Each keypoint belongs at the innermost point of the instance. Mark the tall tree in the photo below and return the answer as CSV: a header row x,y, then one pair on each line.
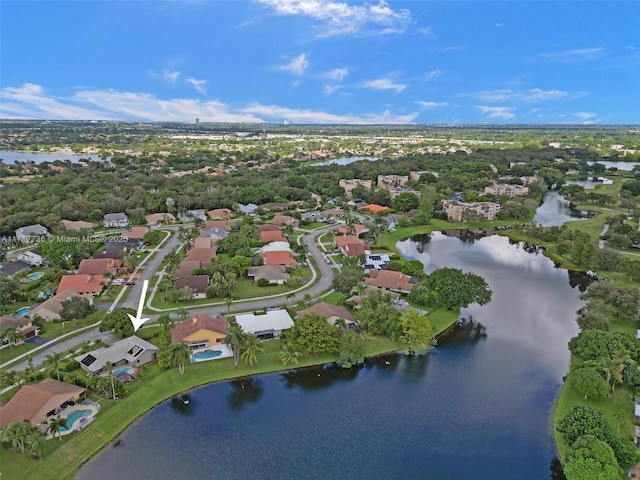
x,y
107,369
251,347
178,354
417,335
234,340
53,361
56,425
18,435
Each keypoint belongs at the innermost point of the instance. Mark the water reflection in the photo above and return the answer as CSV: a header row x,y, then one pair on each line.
x,y
591,182
555,210
465,331
244,391
182,405
318,377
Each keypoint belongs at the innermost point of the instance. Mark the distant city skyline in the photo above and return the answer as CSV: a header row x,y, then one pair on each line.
x,y
322,61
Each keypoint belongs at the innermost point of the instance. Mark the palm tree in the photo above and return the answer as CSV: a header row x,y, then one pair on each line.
x,y
289,353
30,370
251,347
108,369
56,424
108,277
12,335
234,340
19,435
183,313
166,322
53,361
177,353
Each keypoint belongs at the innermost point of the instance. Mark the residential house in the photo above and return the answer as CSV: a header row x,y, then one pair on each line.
x,y
220,214
374,208
268,228
350,184
274,206
203,242
32,233
392,181
32,257
77,225
160,219
415,176
22,325
283,220
50,309
222,224
196,283
390,280
272,236
9,269
276,247
267,325
98,266
202,255
332,313
356,300
314,216
274,274
187,267
249,209
129,244
136,232
376,261
87,286
36,403
356,229
460,211
350,245
200,331
333,213
111,252
191,215
391,221
115,220
279,258
214,233
132,352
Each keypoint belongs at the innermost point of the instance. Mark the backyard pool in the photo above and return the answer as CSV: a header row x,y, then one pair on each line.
x,y
22,312
34,276
206,355
120,371
73,417
45,294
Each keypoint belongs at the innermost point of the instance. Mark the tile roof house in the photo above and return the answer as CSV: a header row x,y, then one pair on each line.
x,y
357,229
272,236
268,228
86,285
214,233
50,309
160,218
356,300
98,266
269,206
132,351
284,220
191,215
200,331
111,252
202,255
22,325
77,225
220,214
374,208
217,223
197,283
115,220
36,403
267,325
391,280
136,232
332,313
274,274
203,242
281,257
354,249
187,267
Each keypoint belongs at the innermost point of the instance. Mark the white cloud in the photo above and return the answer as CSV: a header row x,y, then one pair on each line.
x,y
274,112
432,74
30,101
297,66
424,104
521,96
586,117
337,74
575,55
384,84
342,18
169,76
497,113
199,85
329,89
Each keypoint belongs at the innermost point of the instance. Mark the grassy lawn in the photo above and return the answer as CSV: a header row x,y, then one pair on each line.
x,y
77,448
9,353
442,318
335,298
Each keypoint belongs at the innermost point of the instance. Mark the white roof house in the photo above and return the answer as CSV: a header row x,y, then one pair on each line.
x,y
267,325
132,351
276,247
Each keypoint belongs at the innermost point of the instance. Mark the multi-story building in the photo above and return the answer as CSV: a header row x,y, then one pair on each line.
x,y
350,184
458,211
506,189
392,181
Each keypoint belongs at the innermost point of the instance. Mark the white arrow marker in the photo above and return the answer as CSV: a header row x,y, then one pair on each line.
x,y
138,320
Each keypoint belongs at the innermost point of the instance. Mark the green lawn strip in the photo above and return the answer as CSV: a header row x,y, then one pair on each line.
x,y
442,318
335,298
9,353
114,417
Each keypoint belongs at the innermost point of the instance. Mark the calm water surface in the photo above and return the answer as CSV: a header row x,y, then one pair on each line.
x,y
477,407
9,157
344,161
554,211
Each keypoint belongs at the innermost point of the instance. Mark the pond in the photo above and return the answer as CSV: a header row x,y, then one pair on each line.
x,y
590,183
477,407
555,210
344,161
625,166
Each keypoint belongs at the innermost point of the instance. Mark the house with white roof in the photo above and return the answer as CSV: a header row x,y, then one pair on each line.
x,y
31,233
267,325
131,351
276,247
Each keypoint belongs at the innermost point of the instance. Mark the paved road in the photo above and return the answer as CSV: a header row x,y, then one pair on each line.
x,y
322,284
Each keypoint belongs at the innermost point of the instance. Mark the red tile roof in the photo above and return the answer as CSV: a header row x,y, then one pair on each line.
x,y
342,240
373,208
389,279
279,258
202,255
82,283
98,266
136,232
283,220
272,236
216,223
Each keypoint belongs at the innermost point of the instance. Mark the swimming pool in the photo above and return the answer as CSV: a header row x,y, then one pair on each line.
x,y
45,294
22,312
35,276
120,371
206,355
73,417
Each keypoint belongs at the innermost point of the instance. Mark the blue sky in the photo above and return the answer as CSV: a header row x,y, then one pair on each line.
x,y
322,61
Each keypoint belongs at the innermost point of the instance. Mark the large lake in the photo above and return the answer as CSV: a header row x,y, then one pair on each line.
x,y
9,156
478,407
